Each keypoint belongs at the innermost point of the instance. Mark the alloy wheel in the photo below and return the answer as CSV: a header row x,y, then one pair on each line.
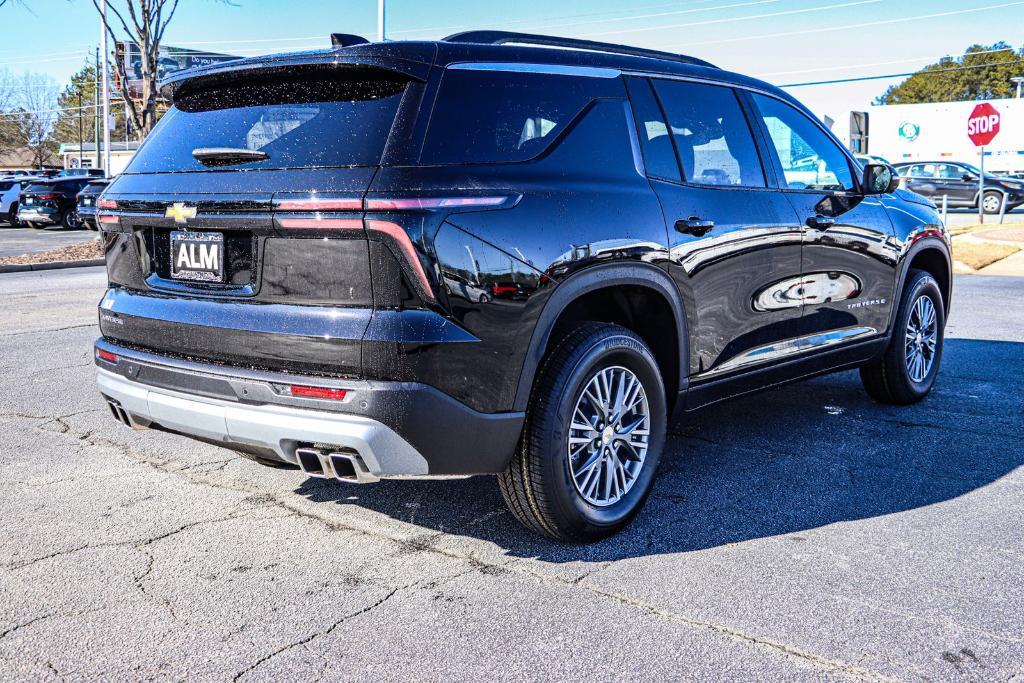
x,y
921,338
608,436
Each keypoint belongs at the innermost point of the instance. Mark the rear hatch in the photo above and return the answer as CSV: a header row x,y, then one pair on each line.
x,y
236,232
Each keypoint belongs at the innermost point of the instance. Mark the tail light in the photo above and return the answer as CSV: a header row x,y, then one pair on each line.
x,y
106,204
50,195
419,203
106,355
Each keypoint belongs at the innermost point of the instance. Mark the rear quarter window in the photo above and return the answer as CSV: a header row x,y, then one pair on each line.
x,y
483,116
344,120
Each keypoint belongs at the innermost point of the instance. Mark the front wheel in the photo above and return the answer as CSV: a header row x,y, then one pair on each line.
x,y
992,202
906,371
593,437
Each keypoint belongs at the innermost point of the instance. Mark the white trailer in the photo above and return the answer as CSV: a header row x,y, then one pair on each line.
x,y
936,131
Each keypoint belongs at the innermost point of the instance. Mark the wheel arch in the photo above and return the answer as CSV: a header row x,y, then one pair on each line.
x,y
621,287
930,254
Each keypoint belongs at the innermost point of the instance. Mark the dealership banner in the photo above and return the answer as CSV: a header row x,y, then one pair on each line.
x,y
172,59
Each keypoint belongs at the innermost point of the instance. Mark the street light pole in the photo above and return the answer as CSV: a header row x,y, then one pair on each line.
x,y
80,131
96,114
381,34
106,92
1019,80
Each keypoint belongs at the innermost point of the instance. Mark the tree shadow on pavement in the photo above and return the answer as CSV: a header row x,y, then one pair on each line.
x,y
779,462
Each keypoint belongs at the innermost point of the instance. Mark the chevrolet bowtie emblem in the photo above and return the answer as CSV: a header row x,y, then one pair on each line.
x,y
179,212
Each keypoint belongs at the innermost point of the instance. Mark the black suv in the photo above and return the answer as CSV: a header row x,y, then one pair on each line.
x,y
436,259
959,183
51,202
87,198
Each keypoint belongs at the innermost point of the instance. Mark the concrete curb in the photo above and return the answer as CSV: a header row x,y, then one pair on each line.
x,y
52,265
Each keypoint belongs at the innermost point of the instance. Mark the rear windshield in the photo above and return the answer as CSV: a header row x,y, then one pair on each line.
x,y
67,186
481,118
339,121
94,188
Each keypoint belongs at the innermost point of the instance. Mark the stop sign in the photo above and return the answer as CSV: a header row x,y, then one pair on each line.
x,y
983,124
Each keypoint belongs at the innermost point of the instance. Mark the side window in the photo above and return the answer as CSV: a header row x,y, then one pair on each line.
x,y
710,134
659,157
949,172
480,118
809,158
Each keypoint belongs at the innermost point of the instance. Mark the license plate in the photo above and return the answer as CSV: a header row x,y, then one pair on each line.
x,y
197,256
28,200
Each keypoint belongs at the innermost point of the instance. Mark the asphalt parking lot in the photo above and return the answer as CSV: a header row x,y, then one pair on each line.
x,y
803,533
18,241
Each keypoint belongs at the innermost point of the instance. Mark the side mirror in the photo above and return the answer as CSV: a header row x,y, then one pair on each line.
x,y
879,179
967,177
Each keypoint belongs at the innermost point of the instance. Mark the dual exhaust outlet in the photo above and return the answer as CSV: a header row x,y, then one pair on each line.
x,y
343,465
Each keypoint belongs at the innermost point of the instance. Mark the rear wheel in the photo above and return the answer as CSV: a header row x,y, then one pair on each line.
x,y
70,220
992,202
593,437
906,371
12,216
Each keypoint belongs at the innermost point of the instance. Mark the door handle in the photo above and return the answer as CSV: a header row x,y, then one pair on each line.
x,y
694,226
821,222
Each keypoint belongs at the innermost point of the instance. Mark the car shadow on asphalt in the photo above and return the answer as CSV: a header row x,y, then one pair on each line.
x,y
772,464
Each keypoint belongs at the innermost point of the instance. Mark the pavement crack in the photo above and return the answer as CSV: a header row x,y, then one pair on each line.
x,y
317,634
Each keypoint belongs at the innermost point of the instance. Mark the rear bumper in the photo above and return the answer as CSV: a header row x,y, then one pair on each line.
x,y
35,215
388,429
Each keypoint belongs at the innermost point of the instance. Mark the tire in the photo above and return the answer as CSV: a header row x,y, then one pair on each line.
x,y
894,378
12,216
539,486
70,220
992,202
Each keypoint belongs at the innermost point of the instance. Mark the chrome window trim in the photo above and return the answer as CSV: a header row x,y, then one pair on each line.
x,y
554,69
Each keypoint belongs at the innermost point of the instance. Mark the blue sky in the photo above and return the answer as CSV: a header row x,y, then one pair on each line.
x,y
782,41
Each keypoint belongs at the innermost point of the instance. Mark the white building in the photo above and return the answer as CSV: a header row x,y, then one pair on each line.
x,y
120,154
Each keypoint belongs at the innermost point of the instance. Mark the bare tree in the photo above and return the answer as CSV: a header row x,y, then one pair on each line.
x,y
143,22
27,115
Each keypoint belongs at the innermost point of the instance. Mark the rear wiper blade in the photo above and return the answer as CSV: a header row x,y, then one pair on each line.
x,y
212,156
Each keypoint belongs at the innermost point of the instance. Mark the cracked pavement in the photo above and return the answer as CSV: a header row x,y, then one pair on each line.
x,y
804,533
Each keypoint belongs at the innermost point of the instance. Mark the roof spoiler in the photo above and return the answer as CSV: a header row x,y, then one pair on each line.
x,y
346,39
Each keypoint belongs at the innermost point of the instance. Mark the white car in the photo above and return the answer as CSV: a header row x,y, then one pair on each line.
x,y
10,191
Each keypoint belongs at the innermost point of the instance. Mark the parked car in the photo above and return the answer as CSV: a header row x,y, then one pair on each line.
x,y
51,202
12,186
281,256
86,201
959,182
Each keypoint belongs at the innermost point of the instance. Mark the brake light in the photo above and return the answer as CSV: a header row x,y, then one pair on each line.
x,y
313,204
106,204
106,355
401,237
318,392
322,223
413,203
51,195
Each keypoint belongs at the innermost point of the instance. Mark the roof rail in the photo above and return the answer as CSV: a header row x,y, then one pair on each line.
x,y
504,37
346,39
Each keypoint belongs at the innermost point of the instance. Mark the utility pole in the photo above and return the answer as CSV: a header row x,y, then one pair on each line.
x,y
96,113
106,91
381,34
80,129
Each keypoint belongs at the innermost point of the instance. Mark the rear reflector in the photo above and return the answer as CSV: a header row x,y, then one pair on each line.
x,y
322,223
107,218
320,205
106,204
413,203
318,392
106,355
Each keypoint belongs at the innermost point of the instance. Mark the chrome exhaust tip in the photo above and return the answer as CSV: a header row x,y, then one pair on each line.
x,y
347,466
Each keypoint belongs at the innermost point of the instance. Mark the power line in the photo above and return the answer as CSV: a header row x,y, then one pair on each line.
x,y
894,61
866,24
709,22
900,75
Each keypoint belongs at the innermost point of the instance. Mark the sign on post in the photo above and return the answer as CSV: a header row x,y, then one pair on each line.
x,y
982,128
